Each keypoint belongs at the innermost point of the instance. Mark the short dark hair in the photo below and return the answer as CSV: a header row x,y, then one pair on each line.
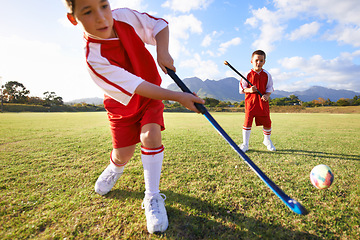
x,y
70,4
259,52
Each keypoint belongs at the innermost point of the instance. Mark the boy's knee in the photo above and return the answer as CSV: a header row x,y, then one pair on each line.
x,y
151,136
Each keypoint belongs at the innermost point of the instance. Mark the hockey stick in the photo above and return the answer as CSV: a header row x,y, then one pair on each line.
x,y
228,64
291,203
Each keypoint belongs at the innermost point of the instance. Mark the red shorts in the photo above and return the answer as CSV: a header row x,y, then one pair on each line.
x,y
259,120
127,133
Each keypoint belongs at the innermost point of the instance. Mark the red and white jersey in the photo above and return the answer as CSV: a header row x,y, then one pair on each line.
x,y
120,64
264,83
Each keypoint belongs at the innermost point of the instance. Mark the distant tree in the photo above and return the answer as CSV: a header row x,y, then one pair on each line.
x,y
211,102
174,105
294,100
236,104
308,104
356,100
319,102
35,101
166,102
293,97
51,99
291,100
15,92
222,104
343,102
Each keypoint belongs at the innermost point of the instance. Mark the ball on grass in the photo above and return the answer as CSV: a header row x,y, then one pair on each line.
x,y
321,176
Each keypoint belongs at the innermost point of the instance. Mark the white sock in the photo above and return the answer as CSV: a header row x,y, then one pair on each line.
x,y
267,134
246,135
152,160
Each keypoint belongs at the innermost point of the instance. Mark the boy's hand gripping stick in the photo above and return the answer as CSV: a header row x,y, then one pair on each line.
x,y
228,64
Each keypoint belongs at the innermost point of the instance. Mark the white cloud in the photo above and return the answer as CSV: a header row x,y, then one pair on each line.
x,y
180,29
270,25
206,41
203,69
305,31
345,34
224,46
209,38
210,53
344,15
132,4
355,54
338,73
186,5
281,76
183,25
293,62
344,12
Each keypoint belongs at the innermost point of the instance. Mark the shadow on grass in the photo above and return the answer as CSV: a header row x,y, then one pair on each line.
x,y
347,157
204,220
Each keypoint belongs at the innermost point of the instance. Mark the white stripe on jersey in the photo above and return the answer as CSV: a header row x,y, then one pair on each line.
x,y
115,81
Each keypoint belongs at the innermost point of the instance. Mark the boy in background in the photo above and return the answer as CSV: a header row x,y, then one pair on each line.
x,y
122,67
256,106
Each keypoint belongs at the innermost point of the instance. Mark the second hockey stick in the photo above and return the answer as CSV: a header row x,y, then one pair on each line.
x,y
228,64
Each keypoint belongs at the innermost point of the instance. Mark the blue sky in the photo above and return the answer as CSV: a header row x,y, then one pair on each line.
x,y
307,42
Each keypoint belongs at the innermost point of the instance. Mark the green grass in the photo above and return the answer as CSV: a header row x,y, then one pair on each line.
x,y
49,163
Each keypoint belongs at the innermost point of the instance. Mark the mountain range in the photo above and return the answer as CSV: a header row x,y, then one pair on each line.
x,y
227,89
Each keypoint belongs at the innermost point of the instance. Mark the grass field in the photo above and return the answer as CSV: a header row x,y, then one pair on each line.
x,y
49,163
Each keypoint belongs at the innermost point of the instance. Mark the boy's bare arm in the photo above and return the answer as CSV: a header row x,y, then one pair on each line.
x,y
153,91
164,58
251,89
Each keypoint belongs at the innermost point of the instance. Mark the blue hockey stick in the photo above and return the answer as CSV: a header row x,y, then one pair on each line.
x,y
291,203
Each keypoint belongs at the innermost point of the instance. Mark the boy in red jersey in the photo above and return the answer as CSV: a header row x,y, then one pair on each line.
x,y
122,67
255,106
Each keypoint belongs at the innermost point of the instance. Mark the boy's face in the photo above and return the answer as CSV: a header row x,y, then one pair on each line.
x,y
95,16
258,62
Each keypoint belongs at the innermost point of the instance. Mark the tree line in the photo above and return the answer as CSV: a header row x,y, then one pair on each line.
x,y
15,92
284,101
294,100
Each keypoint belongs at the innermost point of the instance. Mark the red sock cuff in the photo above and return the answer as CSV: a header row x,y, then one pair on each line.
x,y
152,151
267,132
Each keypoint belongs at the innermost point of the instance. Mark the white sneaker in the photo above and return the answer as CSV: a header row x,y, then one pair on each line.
x,y
155,212
106,180
244,147
269,145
